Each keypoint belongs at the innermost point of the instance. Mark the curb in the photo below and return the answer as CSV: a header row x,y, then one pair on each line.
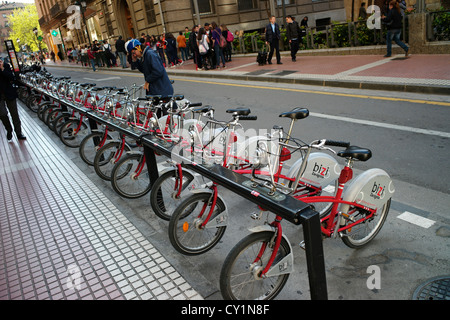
x,y
407,88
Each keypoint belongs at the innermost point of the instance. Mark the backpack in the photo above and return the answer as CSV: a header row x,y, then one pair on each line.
x,y
222,42
230,37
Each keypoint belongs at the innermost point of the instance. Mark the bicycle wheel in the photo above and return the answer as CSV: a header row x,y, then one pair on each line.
x,y
89,146
361,234
186,232
59,121
42,107
73,132
46,112
130,178
106,158
163,197
240,275
32,102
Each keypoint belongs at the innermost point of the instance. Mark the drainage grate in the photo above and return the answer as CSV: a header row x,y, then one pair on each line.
x,y
434,289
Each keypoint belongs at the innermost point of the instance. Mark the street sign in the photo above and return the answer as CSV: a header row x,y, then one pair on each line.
x,y
12,55
56,36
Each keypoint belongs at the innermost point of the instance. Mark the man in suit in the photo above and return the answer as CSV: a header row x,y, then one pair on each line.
x,y
273,37
8,96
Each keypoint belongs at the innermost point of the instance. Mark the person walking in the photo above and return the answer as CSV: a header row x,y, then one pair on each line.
x,y
393,21
273,36
8,101
150,64
91,57
293,34
120,48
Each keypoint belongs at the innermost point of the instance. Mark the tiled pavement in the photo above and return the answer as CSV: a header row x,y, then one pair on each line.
x,y
60,236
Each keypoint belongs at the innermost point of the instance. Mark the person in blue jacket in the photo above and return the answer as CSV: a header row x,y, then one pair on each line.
x,y
150,64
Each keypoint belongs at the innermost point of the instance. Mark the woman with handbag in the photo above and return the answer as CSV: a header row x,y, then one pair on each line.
x,y
219,42
393,21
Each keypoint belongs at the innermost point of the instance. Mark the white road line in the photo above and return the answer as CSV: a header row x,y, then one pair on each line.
x,y
415,219
362,68
383,125
104,79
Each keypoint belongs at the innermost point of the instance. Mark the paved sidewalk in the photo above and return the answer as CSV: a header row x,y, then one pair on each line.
x,y
418,73
62,238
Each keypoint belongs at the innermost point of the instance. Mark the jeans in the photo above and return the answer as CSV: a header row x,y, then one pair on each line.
x,y
219,54
394,34
92,63
184,53
123,59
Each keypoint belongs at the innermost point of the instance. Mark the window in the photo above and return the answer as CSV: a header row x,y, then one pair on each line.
x,y
150,11
247,4
108,21
286,2
204,6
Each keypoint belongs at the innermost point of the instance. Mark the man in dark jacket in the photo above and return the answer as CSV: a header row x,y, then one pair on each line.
x,y
293,35
150,64
8,96
120,48
273,37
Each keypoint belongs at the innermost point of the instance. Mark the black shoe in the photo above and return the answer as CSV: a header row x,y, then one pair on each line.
x,y
9,135
21,137
269,62
280,62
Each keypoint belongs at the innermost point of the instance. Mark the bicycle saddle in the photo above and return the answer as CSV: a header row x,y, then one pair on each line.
x,y
240,111
295,114
356,153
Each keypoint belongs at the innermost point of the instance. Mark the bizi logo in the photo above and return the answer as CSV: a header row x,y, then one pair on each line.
x,y
320,171
377,191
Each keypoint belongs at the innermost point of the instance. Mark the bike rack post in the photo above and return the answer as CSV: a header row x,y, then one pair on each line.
x,y
315,259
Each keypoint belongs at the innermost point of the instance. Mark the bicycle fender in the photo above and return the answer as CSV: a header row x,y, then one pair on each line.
x,y
372,188
220,220
285,265
321,170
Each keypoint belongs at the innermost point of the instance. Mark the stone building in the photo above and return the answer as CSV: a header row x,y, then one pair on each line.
x,y
107,19
6,8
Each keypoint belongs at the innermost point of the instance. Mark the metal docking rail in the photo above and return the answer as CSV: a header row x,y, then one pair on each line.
x,y
287,207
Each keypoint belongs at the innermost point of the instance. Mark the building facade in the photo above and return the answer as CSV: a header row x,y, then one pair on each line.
x,y
7,8
107,19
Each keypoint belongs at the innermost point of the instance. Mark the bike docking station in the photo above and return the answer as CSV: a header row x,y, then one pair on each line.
x,y
289,208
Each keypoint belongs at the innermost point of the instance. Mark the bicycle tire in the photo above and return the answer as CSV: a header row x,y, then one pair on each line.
x,y
45,113
125,182
59,122
41,108
104,160
32,102
56,112
185,236
88,148
69,136
162,200
237,279
348,236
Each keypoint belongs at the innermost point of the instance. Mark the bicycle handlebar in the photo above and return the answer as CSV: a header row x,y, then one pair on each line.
x,y
337,143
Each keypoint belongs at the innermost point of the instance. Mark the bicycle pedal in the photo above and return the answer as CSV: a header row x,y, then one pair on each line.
x,y
302,245
256,215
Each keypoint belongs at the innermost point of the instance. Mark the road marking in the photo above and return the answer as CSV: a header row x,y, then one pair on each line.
x,y
360,96
416,219
104,79
362,68
348,95
383,125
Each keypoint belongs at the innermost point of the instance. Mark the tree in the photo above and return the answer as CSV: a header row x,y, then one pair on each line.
x,y
22,22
